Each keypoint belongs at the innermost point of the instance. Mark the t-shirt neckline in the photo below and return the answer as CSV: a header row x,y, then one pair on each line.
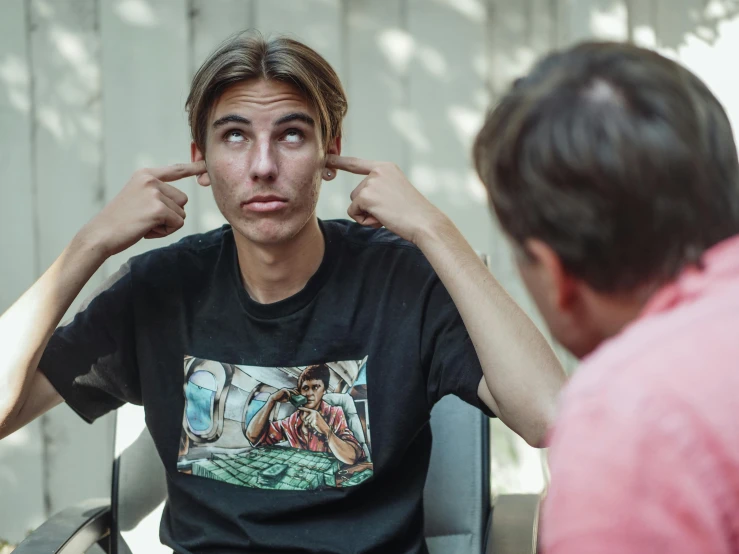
x,y
297,301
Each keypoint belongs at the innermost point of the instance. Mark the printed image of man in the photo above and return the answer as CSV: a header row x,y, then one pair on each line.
x,y
316,426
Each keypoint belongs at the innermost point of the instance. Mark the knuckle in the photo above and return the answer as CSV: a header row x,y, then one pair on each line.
x,y
161,211
149,180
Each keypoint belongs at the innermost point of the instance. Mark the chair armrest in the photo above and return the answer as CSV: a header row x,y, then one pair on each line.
x,y
72,531
514,524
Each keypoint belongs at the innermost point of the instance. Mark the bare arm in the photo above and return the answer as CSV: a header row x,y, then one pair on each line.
x,y
522,376
26,327
146,207
344,451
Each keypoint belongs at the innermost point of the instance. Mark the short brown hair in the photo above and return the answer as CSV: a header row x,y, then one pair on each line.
x,y
319,372
619,159
247,55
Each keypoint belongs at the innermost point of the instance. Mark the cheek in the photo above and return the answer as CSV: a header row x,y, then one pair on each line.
x,y
301,169
227,170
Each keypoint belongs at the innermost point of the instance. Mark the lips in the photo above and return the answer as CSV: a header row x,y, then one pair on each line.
x,y
265,203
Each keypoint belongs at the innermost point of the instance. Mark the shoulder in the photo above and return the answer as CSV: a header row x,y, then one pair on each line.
x,y
189,256
378,249
621,465
359,235
661,362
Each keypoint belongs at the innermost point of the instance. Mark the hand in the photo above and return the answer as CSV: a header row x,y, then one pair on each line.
x,y
283,395
315,420
147,207
386,197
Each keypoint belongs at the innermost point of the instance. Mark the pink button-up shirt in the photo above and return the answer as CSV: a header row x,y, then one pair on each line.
x,y
645,453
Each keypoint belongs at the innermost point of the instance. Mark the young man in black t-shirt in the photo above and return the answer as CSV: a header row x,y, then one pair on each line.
x,y
212,334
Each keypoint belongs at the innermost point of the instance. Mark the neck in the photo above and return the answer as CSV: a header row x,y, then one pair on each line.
x,y
273,272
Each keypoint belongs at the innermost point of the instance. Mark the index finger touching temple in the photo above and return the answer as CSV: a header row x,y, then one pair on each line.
x,y
352,165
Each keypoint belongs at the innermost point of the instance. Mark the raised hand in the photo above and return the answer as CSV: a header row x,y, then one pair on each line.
x,y
385,197
147,207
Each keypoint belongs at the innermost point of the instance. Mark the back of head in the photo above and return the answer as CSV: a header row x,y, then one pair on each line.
x,y
247,56
619,159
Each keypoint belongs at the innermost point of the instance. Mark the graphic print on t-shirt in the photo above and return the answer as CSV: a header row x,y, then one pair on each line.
x,y
279,428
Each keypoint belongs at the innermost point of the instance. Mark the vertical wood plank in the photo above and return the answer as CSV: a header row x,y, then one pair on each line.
x,y
65,50
16,208
213,22
542,24
319,24
145,76
593,19
21,469
447,99
675,21
378,51
519,34
703,35
510,30
642,21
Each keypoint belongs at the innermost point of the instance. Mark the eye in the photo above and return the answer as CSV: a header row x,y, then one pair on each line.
x,y
293,135
234,136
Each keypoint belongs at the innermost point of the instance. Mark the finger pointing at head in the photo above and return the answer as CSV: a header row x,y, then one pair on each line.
x,y
352,165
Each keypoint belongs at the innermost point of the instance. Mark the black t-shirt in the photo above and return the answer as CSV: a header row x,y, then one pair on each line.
x,y
300,426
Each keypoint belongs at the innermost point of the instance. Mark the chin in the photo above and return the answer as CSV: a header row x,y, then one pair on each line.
x,y
268,231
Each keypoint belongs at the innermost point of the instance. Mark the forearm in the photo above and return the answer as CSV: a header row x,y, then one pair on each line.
x,y
520,369
344,451
259,422
27,326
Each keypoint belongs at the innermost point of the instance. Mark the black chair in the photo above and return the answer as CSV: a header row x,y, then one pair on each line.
x,y
457,500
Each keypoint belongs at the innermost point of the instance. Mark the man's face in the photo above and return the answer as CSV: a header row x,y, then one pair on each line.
x,y
313,391
265,160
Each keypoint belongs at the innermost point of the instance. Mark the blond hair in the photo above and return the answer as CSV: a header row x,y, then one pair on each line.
x,y
247,55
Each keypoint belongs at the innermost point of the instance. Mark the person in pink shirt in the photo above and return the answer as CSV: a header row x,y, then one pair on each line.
x,y
614,172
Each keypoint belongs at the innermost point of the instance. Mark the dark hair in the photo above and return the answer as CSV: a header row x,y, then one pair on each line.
x,y
619,159
315,372
247,55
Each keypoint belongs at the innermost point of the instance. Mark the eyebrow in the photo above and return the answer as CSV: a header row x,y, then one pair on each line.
x,y
296,116
231,118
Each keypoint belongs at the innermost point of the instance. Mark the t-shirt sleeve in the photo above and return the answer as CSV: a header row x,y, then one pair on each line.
x,y
91,361
448,352
647,482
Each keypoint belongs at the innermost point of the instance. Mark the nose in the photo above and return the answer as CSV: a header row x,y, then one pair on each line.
x,y
263,163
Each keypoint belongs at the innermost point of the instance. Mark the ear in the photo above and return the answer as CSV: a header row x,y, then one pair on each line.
x,y
561,287
333,148
195,156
